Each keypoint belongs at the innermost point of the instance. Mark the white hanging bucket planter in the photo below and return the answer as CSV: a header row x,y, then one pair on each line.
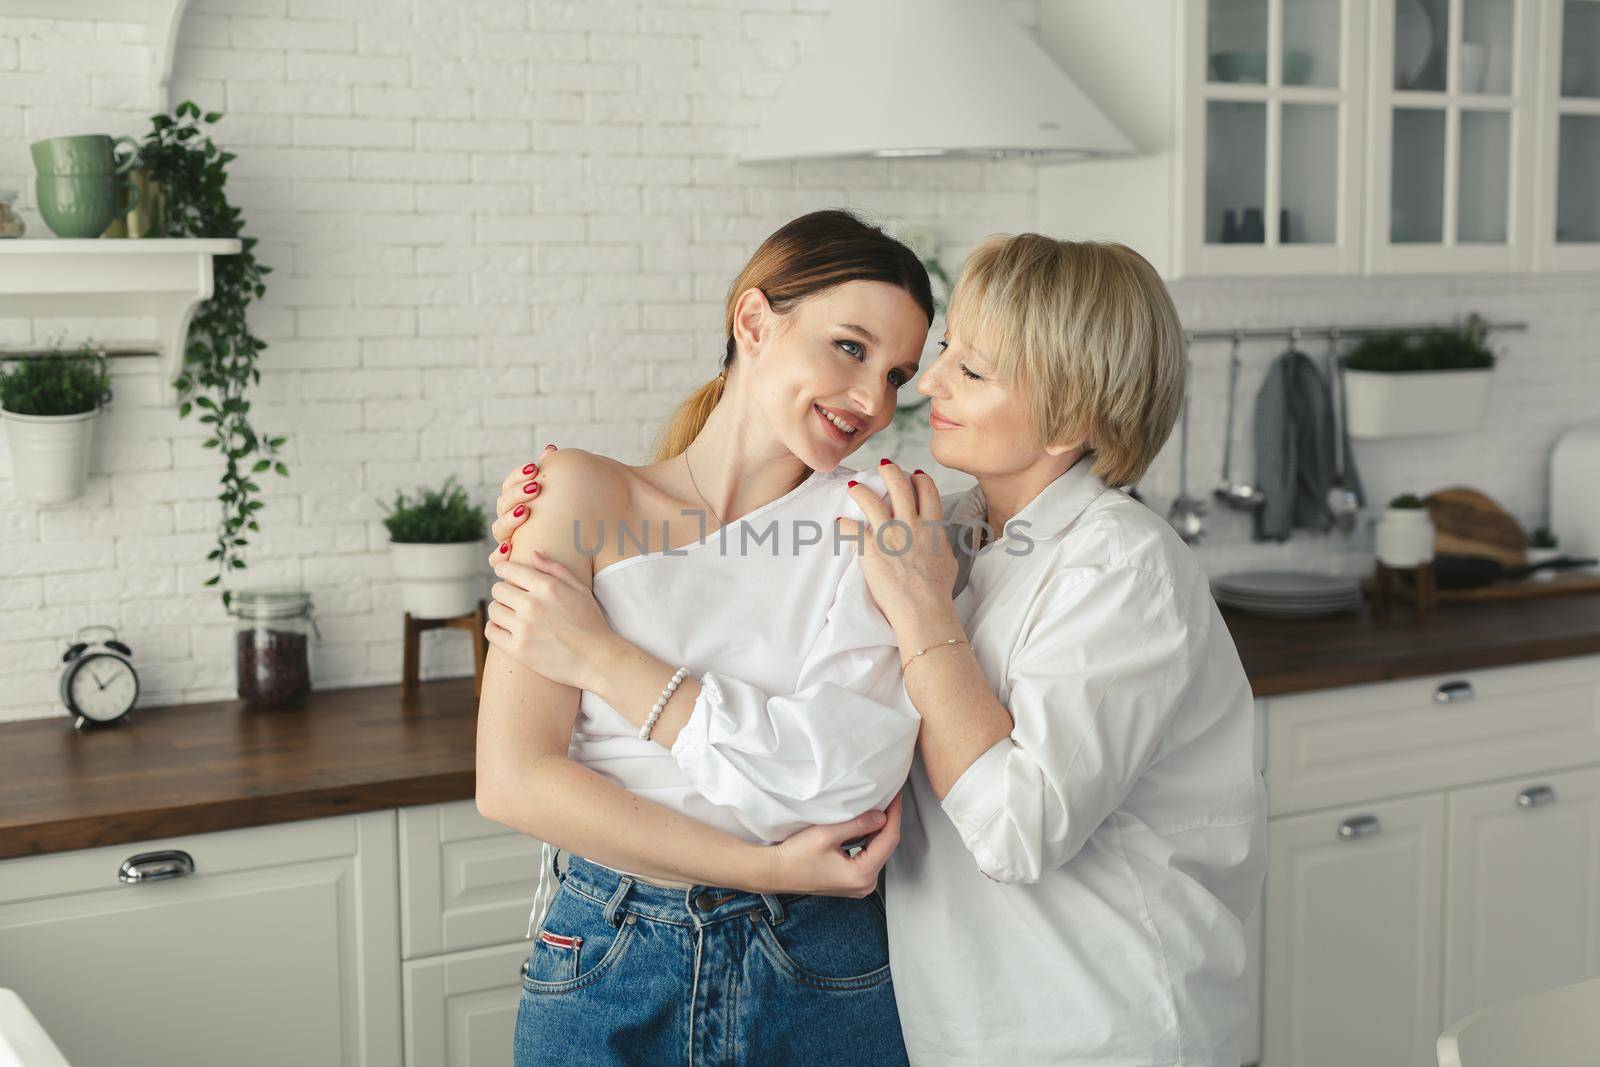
x,y
50,454
440,581
1413,403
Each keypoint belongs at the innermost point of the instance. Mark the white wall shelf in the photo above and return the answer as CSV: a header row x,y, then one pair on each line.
x,y
164,279
163,17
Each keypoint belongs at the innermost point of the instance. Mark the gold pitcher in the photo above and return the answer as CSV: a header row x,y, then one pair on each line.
x,y
149,211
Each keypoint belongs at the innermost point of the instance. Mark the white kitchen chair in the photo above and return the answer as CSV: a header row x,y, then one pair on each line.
x,y
1556,1028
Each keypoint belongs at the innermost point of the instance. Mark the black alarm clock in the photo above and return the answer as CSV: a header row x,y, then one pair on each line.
x,y
98,683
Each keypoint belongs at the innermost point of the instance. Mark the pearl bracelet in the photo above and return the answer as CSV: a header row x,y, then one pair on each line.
x,y
930,648
661,703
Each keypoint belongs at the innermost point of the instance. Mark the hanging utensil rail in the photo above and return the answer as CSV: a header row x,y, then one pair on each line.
x,y
1296,333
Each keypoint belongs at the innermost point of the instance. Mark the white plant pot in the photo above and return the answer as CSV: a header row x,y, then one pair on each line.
x,y
1413,403
50,454
1404,537
440,581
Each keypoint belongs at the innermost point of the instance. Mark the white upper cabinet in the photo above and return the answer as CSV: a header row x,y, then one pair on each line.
x,y
1449,155
1273,96
1310,137
1567,219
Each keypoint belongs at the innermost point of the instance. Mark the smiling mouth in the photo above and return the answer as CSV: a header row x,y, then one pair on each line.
x,y
842,428
937,420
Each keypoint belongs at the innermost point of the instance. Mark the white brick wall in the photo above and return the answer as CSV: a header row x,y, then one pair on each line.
x,y
496,223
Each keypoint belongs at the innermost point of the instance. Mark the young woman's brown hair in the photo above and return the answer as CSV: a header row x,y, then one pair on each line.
x,y
813,253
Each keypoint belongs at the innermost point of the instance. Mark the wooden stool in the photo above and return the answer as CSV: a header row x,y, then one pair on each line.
x,y
474,623
1413,585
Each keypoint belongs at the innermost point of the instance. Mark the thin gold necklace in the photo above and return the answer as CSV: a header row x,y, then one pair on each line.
x,y
688,467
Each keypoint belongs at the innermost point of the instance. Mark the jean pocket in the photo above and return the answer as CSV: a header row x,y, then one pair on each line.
x,y
574,947
829,943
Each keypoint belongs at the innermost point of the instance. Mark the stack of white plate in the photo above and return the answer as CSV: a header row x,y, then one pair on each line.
x,y
1287,594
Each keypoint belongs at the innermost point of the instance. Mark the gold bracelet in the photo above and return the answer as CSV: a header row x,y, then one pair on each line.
x,y
920,651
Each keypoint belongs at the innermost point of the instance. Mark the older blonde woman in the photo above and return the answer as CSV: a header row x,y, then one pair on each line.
x,y
1083,827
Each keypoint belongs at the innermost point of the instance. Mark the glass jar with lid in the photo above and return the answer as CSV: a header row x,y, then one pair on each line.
x,y
273,629
10,222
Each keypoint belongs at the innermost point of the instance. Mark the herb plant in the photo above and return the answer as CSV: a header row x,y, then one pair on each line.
x,y
1459,347
221,353
1407,501
437,517
56,384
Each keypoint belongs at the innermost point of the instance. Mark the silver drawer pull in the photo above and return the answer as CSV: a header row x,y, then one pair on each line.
x,y
1536,796
1359,826
156,866
1451,692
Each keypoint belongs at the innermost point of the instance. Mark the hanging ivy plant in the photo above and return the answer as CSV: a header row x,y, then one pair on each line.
x,y
221,353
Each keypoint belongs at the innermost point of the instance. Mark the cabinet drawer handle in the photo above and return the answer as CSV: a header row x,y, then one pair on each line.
x,y
156,866
1536,796
1451,692
1359,826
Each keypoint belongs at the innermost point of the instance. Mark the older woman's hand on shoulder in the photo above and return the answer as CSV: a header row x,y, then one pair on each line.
x,y
908,562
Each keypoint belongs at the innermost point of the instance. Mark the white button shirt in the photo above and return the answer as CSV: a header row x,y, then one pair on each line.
x,y
1079,895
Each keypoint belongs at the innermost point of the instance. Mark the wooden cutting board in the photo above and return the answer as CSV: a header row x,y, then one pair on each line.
x,y
1468,523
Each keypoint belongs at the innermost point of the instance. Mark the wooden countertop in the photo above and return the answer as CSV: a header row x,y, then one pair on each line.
x,y
196,768
1298,656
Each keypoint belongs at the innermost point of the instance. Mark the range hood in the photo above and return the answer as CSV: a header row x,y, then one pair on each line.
x,y
888,78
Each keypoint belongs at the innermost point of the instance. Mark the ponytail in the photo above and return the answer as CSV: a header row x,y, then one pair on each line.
x,y
689,419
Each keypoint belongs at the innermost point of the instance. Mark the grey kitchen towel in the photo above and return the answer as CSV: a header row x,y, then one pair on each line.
x,y
1295,442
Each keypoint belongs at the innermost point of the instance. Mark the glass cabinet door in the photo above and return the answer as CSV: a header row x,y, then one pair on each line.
x,y
1275,104
1569,223
1451,112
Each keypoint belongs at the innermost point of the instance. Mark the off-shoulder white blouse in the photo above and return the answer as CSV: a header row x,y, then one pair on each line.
x,y
801,718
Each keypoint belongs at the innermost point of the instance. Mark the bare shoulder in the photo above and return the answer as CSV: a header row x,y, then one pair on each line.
x,y
577,491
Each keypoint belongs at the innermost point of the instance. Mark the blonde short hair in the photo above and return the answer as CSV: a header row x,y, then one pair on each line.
x,y
1088,334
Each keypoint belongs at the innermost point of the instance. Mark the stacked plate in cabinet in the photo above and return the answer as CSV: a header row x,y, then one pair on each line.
x,y
1287,594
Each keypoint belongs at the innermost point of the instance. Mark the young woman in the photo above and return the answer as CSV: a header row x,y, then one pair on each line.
x,y
785,709
1084,824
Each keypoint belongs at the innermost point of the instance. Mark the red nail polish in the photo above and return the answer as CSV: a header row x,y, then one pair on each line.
x,y
519,511
530,468
535,490
917,471
851,483
530,487
505,546
882,462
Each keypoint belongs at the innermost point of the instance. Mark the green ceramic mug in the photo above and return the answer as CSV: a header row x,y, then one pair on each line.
x,y
83,205
84,154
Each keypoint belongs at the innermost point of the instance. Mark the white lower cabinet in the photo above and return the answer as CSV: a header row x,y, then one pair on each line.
x,y
461,1009
1411,880
272,945
1523,910
466,884
1352,936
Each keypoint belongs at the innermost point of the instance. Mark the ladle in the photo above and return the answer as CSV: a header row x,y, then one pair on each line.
x,y
1237,495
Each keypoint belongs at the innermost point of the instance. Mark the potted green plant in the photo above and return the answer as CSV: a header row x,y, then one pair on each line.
x,y
1405,533
50,403
1400,385
437,544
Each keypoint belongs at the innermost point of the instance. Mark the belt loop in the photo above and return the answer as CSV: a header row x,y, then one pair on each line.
x,y
774,908
616,901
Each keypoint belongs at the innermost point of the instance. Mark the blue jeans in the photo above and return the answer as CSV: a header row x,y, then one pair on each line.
x,y
625,972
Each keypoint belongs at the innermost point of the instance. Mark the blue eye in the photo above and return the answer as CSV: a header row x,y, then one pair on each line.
x,y
854,349
897,379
